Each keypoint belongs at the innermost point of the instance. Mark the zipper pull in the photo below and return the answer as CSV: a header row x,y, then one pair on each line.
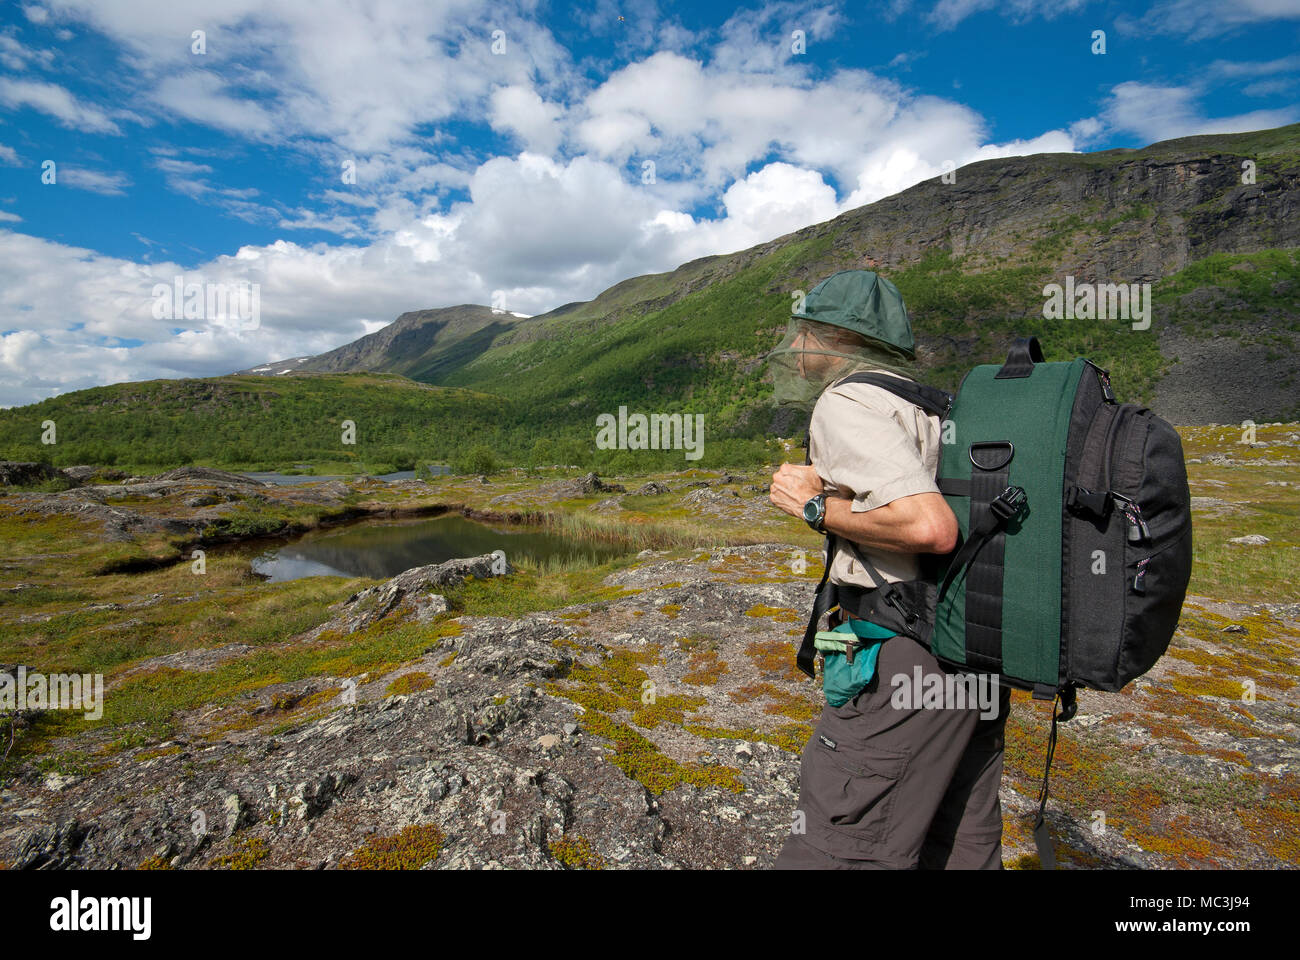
x,y
1137,529
1107,393
1103,377
1139,581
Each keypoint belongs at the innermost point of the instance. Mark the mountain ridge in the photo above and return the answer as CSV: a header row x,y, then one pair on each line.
x,y
1138,215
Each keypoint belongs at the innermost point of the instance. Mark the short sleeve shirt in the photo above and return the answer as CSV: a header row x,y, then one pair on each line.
x,y
870,445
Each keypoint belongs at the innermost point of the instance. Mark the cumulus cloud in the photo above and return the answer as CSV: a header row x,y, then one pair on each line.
x,y
742,128
1155,112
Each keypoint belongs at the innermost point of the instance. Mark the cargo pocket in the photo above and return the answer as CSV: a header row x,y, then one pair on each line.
x,y
855,786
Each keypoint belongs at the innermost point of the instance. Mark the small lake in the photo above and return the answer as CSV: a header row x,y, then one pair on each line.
x,y
282,479
384,549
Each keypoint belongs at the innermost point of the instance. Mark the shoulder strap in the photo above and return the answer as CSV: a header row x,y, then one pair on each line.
x,y
930,399
902,607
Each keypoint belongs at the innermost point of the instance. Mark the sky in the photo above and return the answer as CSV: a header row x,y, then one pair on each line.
x,y
339,162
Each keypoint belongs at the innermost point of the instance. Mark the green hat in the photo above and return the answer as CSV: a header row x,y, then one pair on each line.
x,y
865,303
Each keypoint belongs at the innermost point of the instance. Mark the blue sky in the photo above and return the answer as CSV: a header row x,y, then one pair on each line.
x,y
518,175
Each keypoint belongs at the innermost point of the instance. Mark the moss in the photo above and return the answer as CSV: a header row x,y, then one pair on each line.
x,y
410,683
409,849
1276,830
448,660
671,610
790,737
1026,861
248,853
780,614
641,760
779,701
1203,686
159,752
576,853
704,668
155,863
696,640
774,659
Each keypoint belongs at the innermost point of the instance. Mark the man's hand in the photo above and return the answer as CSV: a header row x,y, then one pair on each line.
x,y
794,486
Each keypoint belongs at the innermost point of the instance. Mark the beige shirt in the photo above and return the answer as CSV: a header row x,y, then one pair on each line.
x,y
870,445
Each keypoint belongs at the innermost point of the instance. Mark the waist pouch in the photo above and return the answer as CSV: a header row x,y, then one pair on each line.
x,y
849,655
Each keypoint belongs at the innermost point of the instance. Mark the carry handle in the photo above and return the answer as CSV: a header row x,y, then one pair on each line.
x,y
1024,353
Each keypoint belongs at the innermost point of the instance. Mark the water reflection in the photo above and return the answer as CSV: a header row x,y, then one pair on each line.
x,y
280,479
381,550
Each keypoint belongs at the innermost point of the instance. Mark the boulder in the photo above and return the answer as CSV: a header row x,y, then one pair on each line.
x,y
15,473
414,587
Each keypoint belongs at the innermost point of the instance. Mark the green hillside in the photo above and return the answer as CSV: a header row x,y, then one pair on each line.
x,y
971,259
249,422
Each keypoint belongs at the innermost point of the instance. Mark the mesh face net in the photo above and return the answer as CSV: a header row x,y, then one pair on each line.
x,y
813,355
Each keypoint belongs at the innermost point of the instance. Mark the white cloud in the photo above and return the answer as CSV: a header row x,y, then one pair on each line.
x,y
8,155
948,13
55,101
745,127
1200,19
1166,112
522,111
94,181
1256,68
7,217
199,96
17,56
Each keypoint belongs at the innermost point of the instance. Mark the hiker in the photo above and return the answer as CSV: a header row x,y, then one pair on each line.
x,y
885,782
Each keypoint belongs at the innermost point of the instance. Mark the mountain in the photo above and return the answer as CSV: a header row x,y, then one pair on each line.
x,y
420,344
971,257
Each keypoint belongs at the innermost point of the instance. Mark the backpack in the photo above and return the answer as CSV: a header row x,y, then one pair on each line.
x,y
1075,550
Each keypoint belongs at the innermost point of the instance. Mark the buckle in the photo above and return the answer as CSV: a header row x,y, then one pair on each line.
x,y
894,597
1081,499
1008,503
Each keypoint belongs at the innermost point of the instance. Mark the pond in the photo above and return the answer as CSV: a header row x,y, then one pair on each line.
x,y
382,549
293,478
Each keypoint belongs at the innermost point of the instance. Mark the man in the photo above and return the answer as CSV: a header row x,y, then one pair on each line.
x,y
883,783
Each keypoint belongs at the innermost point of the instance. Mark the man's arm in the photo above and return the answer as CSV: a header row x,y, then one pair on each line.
x,y
921,523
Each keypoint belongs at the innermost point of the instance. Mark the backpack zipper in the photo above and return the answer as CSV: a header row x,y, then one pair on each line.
x,y
1138,531
1139,580
1108,451
1137,526
1103,376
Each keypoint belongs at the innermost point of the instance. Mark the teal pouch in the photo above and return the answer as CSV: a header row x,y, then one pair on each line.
x,y
842,678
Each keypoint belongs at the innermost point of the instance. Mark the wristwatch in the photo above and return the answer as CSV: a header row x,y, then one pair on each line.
x,y
814,511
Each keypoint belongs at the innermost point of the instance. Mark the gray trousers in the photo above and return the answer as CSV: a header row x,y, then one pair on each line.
x,y
884,786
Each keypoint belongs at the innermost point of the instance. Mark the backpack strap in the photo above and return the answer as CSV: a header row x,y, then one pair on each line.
x,y
1042,835
823,603
930,399
901,607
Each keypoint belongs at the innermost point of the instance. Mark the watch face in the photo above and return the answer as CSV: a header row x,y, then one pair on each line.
x,y
810,511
